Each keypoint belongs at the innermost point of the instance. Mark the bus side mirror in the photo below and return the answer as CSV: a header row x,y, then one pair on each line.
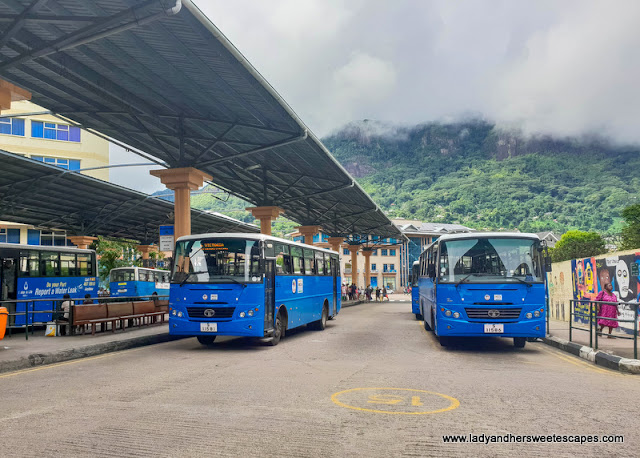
x,y
431,270
547,264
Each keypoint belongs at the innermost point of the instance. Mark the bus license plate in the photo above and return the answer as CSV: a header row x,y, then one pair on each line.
x,y
208,327
493,328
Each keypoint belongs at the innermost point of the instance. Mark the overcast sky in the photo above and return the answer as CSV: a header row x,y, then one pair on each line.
x,y
561,67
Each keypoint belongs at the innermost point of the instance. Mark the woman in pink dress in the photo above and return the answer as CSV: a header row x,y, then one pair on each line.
x,y
607,310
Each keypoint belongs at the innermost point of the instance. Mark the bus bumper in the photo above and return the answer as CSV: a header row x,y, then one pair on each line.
x,y
535,327
244,327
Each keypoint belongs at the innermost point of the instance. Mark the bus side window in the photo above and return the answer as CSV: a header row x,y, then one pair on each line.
x,y
142,276
84,265
29,264
49,264
283,260
309,262
320,262
68,264
298,260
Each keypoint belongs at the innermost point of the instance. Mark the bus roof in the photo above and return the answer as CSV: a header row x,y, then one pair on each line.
x,y
476,235
250,236
65,249
139,268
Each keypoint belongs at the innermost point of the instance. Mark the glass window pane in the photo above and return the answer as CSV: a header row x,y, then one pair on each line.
x,y
49,264
74,135
50,134
37,129
63,135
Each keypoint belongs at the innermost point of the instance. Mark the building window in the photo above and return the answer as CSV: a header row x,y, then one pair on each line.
x,y
53,131
53,238
68,164
375,252
374,267
392,267
345,251
12,126
383,252
385,267
392,252
9,235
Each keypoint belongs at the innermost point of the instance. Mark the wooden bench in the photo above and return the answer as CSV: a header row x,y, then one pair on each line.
x,y
142,312
90,314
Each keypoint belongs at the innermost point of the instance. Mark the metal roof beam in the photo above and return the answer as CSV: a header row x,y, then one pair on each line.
x,y
49,18
255,150
92,32
326,191
19,21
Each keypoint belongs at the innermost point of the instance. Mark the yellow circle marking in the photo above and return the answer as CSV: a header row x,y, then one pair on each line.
x,y
454,402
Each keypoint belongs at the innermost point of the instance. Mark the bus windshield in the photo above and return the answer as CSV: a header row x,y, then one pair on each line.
x,y
490,260
217,261
120,275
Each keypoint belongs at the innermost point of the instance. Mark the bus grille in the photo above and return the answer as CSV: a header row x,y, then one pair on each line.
x,y
219,312
489,313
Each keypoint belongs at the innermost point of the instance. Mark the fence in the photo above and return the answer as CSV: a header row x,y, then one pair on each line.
x,y
585,312
40,316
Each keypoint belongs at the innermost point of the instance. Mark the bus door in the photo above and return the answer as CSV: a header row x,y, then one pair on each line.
x,y
8,284
336,291
269,293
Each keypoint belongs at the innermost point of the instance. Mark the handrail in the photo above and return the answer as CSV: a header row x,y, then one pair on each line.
x,y
593,317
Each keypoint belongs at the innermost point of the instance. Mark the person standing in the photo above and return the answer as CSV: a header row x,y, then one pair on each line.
x,y
377,293
63,317
608,309
384,293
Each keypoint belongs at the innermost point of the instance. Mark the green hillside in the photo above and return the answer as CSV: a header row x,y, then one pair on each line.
x,y
474,174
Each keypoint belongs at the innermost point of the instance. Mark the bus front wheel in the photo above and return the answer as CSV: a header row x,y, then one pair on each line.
x,y
519,342
206,340
277,332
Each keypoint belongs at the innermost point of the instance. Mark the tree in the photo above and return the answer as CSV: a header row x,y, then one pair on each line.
x,y
578,244
631,231
115,253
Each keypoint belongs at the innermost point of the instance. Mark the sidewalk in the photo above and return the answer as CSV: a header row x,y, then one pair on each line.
x,y
17,353
613,353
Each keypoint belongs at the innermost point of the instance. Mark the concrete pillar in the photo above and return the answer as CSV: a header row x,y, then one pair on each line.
x,y
308,232
353,249
182,181
82,241
10,93
367,252
335,243
146,249
266,215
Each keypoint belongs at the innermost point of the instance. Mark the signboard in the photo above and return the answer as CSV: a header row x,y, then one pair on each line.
x,y
167,240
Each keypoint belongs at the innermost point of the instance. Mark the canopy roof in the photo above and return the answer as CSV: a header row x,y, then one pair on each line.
x,y
47,196
159,76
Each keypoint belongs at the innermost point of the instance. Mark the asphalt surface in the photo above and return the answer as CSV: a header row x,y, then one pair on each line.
x,y
374,383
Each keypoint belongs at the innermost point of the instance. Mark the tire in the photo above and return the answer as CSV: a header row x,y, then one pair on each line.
x,y
519,342
206,340
278,332
321,324
418,316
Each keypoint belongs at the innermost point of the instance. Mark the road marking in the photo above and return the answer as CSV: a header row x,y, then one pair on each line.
x,y
408,402
578,362
65,363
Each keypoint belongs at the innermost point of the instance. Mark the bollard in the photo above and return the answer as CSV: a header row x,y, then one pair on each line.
x,y
4,314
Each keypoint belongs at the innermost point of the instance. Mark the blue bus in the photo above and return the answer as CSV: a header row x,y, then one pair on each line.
x,y
484,284
415,290
138,282
250,285
41,272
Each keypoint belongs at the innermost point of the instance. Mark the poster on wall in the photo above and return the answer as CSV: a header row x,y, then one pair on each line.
x,y
591,274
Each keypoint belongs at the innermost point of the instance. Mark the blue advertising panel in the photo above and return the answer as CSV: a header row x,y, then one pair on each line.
x,y
166,230
48,287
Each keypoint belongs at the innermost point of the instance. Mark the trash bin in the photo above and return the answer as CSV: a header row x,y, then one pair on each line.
x,y
4,314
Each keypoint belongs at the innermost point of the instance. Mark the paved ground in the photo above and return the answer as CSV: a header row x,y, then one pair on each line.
x,y
374,383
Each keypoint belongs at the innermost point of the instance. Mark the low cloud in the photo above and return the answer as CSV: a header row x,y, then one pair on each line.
x,y
565,68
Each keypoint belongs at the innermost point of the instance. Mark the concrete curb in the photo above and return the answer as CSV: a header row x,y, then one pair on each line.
x,y
598,357
351,303
41,359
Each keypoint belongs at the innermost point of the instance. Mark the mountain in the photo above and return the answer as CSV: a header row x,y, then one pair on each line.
x,y
475,174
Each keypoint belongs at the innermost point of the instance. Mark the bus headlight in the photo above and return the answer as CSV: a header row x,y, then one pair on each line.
x,y
456,315
448,313
536,313
242,314
179,314
529,315
173,312
250,313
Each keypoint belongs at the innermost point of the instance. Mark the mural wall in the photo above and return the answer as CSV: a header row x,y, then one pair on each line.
x,y
583,279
